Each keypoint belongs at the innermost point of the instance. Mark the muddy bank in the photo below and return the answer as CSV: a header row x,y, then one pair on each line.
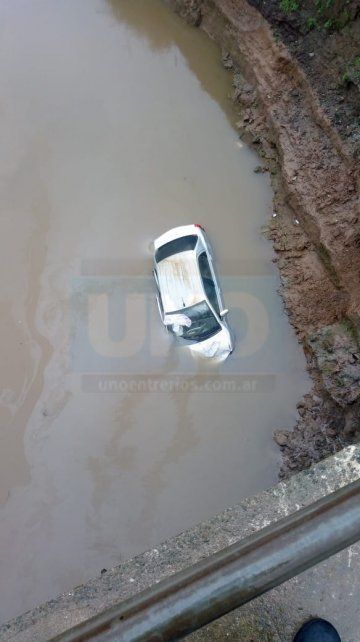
x,y
315,225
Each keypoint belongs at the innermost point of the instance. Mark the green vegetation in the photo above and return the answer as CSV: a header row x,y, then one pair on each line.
x,y
330,17
333,19
325,14
311,23
289,6
322,5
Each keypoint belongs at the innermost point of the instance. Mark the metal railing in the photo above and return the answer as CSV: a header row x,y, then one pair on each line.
x,y
222,582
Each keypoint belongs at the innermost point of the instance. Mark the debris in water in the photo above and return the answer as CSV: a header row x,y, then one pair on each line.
x,y
227,60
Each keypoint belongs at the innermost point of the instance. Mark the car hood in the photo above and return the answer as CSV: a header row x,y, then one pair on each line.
x,y
218,346
180,281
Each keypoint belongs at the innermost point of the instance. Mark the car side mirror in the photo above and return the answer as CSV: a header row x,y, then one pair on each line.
x,y
224,312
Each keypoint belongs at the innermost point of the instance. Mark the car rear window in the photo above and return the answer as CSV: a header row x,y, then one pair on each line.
x,y
182,244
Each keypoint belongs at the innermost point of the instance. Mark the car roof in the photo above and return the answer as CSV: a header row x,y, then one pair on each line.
x,y
180,281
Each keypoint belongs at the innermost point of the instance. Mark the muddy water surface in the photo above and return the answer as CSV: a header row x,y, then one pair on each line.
x,y
116,125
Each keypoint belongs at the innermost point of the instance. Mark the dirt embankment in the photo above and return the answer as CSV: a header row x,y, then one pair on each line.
x,y
316,224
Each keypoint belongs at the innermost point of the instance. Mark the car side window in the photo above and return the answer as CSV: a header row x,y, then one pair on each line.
x,y
208,281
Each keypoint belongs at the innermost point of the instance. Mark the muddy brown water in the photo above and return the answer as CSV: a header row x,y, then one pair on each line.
x,y
115,126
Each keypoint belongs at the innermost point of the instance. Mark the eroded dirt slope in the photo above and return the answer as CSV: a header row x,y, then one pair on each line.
x,y
316,227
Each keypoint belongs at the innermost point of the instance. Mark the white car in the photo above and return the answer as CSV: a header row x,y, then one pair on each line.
x,y
188,295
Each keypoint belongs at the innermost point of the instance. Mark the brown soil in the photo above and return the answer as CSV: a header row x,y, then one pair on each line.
x,y
316,230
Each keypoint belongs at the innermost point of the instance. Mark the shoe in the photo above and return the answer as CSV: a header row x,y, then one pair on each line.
x,y
317,630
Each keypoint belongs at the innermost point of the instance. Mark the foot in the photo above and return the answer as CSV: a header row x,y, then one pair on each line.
x,y
317,630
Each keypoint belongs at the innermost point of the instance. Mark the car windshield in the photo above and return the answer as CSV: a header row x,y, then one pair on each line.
x,y
182,244
203,323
